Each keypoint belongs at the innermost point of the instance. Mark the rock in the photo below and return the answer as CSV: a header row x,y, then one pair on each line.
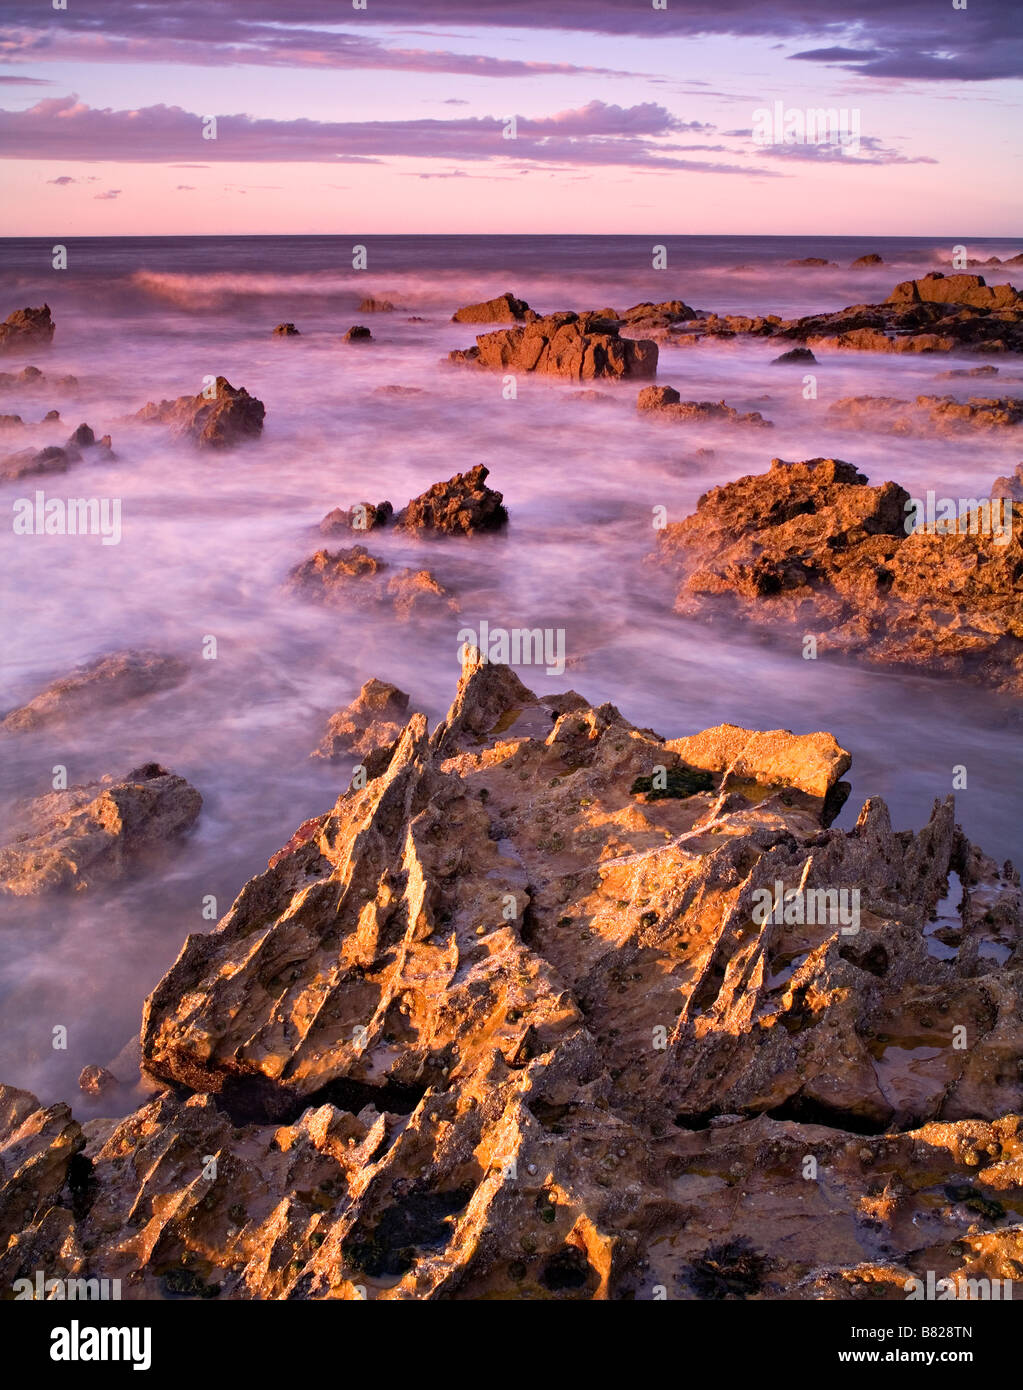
x,y
372,305
504,309
927,414
970,290
97,832
358,334
811,548
1011,488
32,379
51,415
354,575
812,261
811,762
399,391
986,370
28,462
494,953
370,727
12,422
231,417
96,1081
26,329
364,516
571,345
286,330
100,684
862,262
794,355
463,505
666,402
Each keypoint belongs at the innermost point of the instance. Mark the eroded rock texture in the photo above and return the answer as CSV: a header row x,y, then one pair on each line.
x,y
580,346
227,418
506,1023
26,329
812,547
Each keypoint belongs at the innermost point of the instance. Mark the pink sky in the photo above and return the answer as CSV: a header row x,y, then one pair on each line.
x,y
396,119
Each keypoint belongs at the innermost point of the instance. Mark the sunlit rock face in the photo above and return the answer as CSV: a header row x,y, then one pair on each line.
x,y
552,1007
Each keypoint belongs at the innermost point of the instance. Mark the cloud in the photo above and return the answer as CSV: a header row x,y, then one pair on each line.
x,y
871,151
185,188
13,80
110,193
594,134
925,39
63,181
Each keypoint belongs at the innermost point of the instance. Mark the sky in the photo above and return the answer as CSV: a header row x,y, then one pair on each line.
x,y
509,116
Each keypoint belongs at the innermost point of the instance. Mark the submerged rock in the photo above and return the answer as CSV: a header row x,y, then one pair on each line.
x,y
927,414
354,575
55,458
495,1025
794,355
97,832
372,305
364,516
286,330
582,347
106,681
358,333
812,548
463,505
871,259
666,402
26,329
230,417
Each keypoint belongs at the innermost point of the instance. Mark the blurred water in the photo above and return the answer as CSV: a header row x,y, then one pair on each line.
x,y
208,541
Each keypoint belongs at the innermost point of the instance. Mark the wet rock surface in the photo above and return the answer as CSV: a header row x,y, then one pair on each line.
x,y
227,418
505,308
98,832
353,575
498,1026
812,546
667,404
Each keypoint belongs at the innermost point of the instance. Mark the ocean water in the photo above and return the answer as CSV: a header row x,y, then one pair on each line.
x,y
208,540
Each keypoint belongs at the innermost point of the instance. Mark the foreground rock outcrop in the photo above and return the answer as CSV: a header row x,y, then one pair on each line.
x,y
227,418
26,329
463,505
510,1022
812,548
98,684
580,346
97,832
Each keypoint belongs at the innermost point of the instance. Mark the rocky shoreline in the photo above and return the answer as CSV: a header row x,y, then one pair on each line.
x,y
505,1023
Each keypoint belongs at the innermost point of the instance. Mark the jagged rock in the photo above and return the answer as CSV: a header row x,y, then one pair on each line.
x,y
811,546
96,832
230,417
25,329
99,684
286,330
364,516
941,414
579,346
370,726
371,305
11,422
354,575
358,333
869,260
665,401
504,309
96,1081
794,355
463,505
494,1027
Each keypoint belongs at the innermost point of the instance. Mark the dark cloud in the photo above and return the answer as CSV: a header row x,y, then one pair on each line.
x,y
110,193
926,39
12,80
595,134
63,181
